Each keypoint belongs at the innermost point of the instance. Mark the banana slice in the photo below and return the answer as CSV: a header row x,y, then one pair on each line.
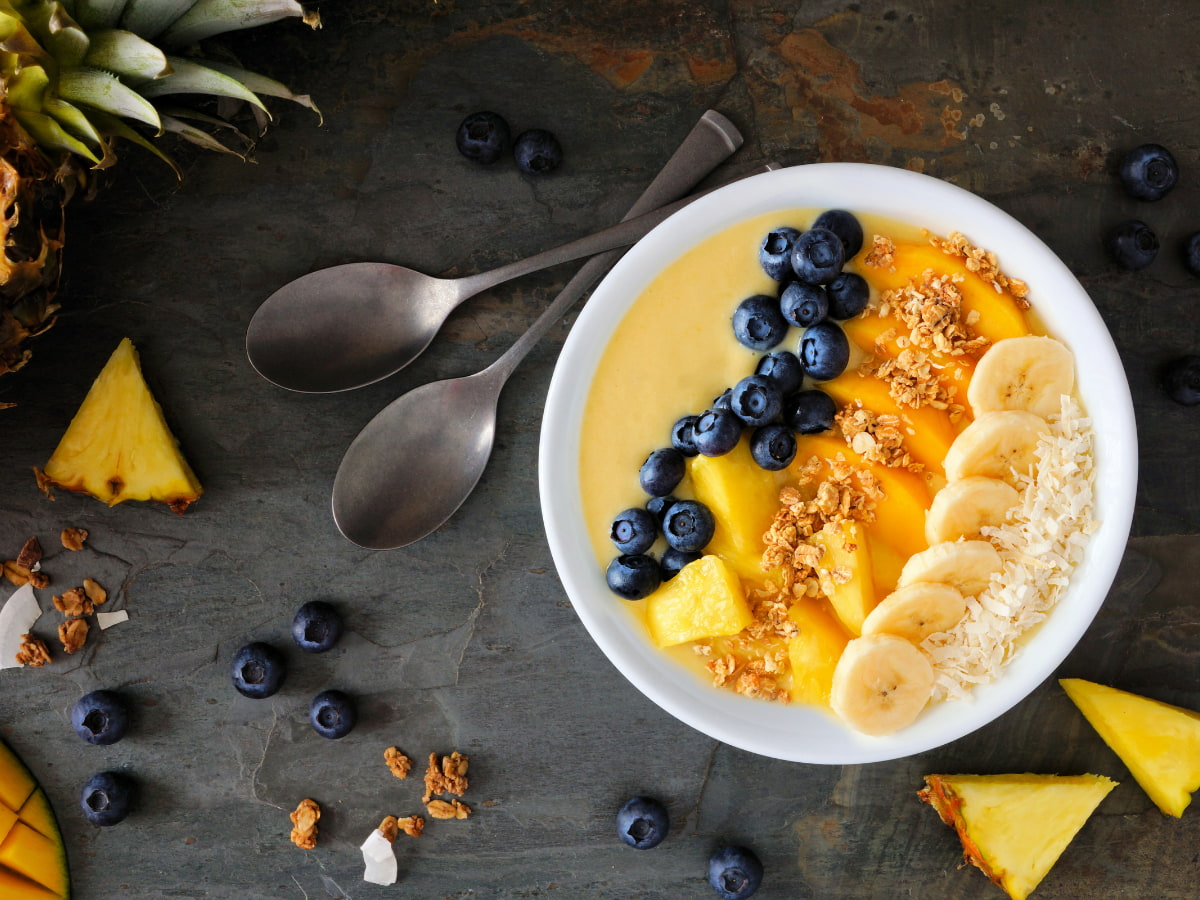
x,y
916,611
1000,444
1030,373
962,508
881,684
967,565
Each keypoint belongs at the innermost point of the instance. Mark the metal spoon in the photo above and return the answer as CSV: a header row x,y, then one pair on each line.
x,y
351,325
415,463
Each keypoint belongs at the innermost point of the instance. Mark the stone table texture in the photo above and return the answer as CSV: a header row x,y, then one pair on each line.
x,y
466,641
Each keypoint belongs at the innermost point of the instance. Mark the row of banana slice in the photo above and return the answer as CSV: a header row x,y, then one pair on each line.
x,y
882,680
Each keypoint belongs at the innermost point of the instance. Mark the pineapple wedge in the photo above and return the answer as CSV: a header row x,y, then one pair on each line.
x,y
704,600
1158,742
118,447
1015,827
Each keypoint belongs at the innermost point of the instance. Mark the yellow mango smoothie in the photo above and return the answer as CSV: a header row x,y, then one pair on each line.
x,y
887,564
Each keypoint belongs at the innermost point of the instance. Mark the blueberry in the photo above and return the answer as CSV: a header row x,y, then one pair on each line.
x,y
100,717
633,576
784,369
1181,380
658,506
758,323
773,447
717,432
642,823
824,351
316,626
106,798
722,402
818,256
848,295
683,435
1149,172
1133,244
662,470
734,873
1191,254
333,714
803,304
809,412
634,530
756,400
482,137
775,254
688,526
537,152
845,226
673,561
258,670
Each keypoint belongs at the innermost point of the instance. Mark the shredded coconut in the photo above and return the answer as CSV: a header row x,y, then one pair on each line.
x,y
1040,545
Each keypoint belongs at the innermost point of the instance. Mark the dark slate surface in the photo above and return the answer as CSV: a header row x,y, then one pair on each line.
x,y
466,640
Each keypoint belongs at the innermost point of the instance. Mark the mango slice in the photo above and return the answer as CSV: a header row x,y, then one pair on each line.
x,y
705,600
814,652
845,572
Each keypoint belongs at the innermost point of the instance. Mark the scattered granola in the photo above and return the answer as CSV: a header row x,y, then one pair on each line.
x,y
913,381
983,263
94,591
876,437
73,538
413,826
74,603
447,776
399,764
30,555
33,652
73,634
448,809
19,575
882,254
930,308
304,824
390,828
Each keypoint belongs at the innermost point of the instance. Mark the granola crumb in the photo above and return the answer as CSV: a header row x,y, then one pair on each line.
x,y
413,826
304,824
446,776
33,652
74,603
94,591
448,809
16,573
984,264
399,764
390,828
39,580
882,254
31,554
73,634
73,538
877,438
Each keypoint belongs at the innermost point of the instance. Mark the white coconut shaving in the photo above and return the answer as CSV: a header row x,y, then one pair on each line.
x,y
1040,545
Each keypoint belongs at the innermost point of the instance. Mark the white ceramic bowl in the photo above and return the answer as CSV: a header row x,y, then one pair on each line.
x,y
796,732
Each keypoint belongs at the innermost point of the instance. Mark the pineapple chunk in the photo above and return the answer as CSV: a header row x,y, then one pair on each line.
x,y
704,600
814,652
1015,827
1159,743
743,499
845,572
118,446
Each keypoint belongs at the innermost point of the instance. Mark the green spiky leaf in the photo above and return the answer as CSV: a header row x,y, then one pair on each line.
x,y
150,18
111,126
64,38
188,77
26,88
198,136
264,86
93,15
72,118
211,17
51,136
124,53
92,87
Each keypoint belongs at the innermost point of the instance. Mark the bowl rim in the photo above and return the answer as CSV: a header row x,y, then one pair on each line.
x,y
796,732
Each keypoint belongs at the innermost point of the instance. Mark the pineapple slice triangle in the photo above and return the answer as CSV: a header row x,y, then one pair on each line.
x,y
1159,743
1015,827
118,447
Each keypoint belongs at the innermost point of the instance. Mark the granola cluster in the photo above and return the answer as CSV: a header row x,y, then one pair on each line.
x,y
912,379
398,764
930,309
446,775
876,437
983,263
304,824
33,651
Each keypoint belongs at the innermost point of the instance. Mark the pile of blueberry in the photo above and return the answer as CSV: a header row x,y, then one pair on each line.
x,y
102,718
772,404
484,137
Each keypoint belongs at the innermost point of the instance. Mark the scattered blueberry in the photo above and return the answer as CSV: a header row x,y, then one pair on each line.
x,y
1181,380
658,506
809,412
824,351
633,576
1133,244
662,470
634,530
845,226
784,369
756,400
734,873
803,304
849,294
482,137
1191,254
775,254
316,626
758,323
333,714
683,435
818,256
258,670
1149,172
673,561
722,402
688,525
100,717
107,798
537,152
717,432
773,447
642,823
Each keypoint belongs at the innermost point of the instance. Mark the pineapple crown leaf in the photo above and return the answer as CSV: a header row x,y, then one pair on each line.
x,y
189,77
199,137
112,126
49,134
207,18
98,89
126,55
150,18
76,123
94,15
261,84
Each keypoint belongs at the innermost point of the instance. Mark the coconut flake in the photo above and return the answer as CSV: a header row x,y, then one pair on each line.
x,y
379,859
16,620
109,619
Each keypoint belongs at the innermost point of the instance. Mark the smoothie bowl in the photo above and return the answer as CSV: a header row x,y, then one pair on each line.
x,y
925,492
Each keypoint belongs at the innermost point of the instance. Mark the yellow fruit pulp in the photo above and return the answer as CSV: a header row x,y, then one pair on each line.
x,y
704,600
1015,827
1159,743
814,652
742,497
845,572
118,446
33,862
